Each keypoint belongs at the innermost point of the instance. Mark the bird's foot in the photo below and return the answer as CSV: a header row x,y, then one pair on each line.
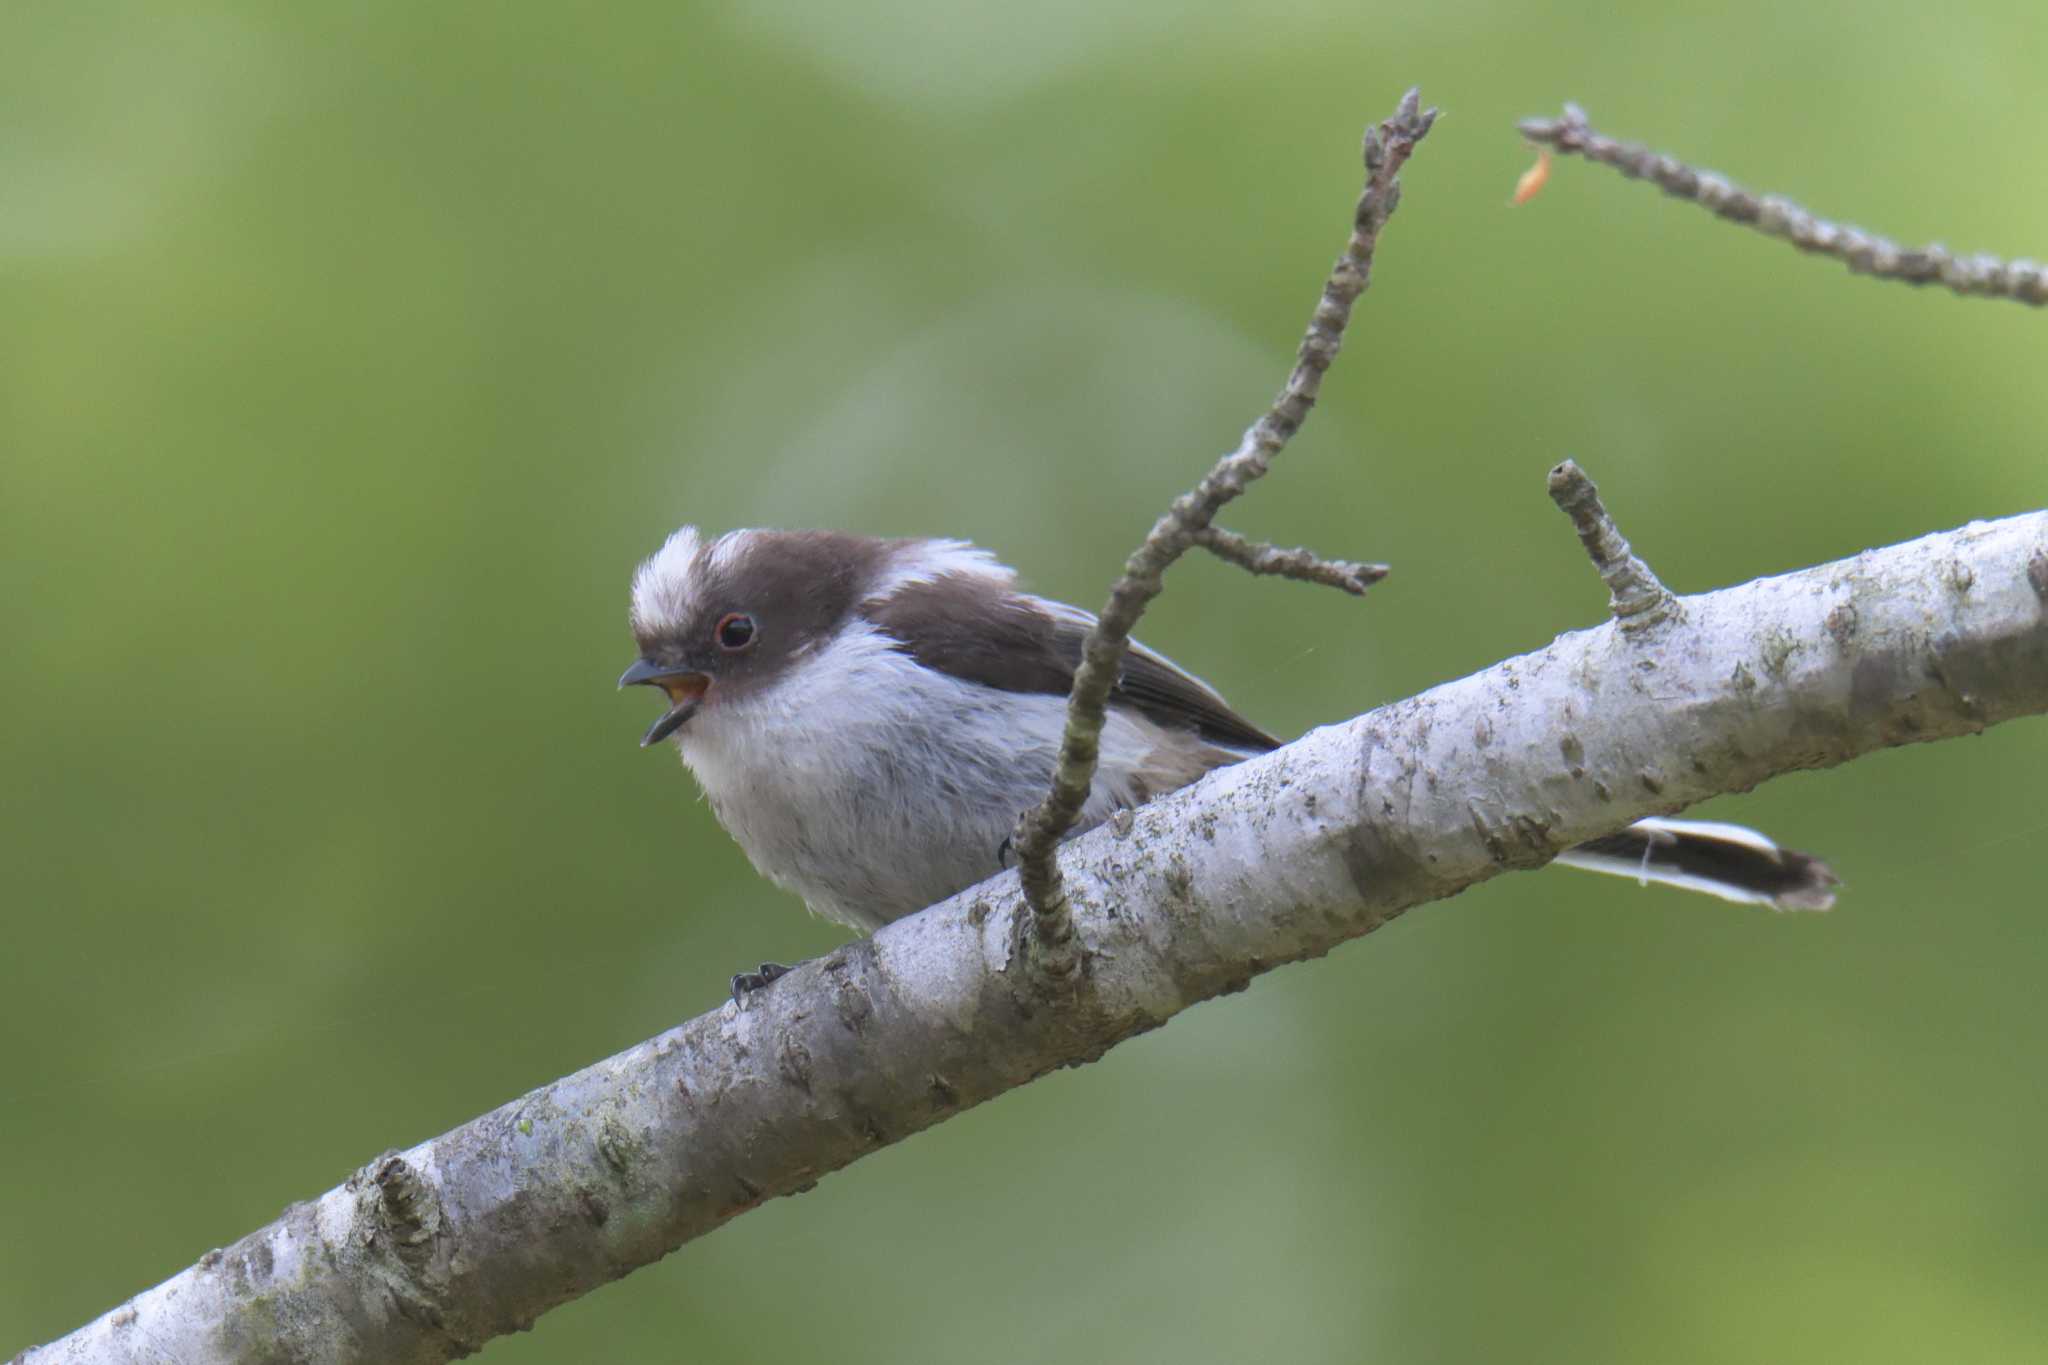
x,y
761,978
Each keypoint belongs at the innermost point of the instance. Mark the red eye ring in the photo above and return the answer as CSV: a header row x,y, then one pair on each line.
x,y
734,631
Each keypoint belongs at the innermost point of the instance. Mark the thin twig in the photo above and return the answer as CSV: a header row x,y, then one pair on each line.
x,y
1635,596
1304,566
1387,149
1866,253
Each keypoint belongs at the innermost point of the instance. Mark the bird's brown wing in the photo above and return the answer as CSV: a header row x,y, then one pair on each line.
x,y
973,626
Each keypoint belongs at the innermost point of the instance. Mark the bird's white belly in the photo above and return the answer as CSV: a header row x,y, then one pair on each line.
x,y
872,786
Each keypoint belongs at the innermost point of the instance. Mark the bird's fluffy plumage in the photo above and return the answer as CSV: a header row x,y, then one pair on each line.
x,y
883,767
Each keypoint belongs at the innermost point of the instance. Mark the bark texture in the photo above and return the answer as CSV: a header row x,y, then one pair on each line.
x,y
425,1255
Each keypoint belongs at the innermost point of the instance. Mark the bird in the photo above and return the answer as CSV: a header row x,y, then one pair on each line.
x,y
868,717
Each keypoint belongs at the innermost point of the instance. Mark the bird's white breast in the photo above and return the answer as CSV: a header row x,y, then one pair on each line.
x,y
873,786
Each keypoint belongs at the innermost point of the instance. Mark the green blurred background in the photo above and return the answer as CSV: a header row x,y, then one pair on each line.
x,y
352,354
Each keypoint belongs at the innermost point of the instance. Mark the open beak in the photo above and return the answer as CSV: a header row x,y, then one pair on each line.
x,y
685,694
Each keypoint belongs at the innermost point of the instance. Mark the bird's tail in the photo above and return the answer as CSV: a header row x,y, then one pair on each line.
x,y
1728,861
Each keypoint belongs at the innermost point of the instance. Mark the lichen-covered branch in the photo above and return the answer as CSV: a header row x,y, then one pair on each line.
x,y
427,1254
1866,253
1387,149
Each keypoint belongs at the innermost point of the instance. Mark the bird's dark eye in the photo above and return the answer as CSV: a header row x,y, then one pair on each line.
x,y
735,631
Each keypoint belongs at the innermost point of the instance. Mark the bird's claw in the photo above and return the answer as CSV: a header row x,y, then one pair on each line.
x,y
761,978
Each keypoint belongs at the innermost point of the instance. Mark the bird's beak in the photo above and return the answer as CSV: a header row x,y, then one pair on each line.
x,y
685,694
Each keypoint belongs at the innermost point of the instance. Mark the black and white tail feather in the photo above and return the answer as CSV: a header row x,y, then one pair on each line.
x,y
1730,861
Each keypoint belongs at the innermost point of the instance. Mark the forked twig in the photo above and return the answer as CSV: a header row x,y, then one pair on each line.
x,y
1185,525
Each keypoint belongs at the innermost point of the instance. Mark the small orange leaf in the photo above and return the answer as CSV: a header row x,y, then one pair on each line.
x,y
1532,181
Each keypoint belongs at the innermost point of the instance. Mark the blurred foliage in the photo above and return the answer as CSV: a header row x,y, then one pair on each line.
x,y
355,353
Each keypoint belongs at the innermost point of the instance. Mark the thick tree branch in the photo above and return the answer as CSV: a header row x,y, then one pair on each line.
x,y
1866,253
1039,831
427,1254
